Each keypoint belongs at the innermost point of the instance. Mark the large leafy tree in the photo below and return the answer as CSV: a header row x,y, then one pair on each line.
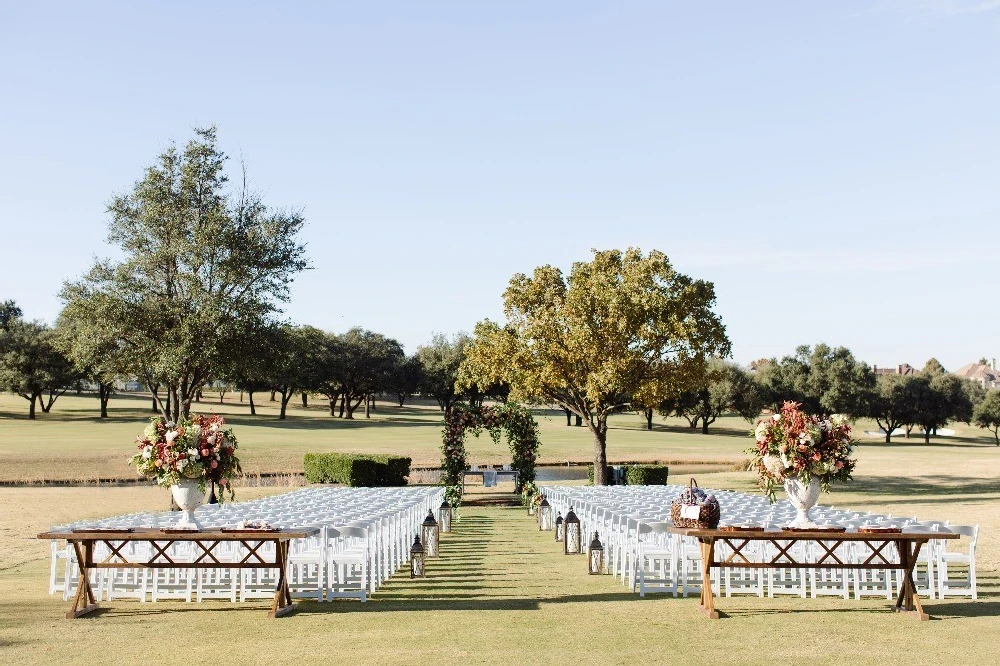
x,y
406,378
622,329
938,399
987,413
366,365
98,356
32,364
441,360
203,269
893,402
253,370
297,360
824,379
725,388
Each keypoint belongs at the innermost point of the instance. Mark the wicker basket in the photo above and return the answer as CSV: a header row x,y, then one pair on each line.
x,y
682,510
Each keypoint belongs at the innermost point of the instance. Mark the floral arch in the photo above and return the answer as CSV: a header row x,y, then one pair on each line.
x,y
509,418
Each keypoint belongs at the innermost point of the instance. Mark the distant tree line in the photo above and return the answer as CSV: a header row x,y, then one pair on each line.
x,y
41,363
828,380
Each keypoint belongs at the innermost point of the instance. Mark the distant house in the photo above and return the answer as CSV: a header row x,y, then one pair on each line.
x,y
904,369
984,373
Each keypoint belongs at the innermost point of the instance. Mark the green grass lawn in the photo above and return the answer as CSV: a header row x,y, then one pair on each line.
x,y
71,443
501,592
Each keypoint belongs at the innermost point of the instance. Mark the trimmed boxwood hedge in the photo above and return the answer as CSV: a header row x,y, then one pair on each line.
x,y
646,475
639,475
356,470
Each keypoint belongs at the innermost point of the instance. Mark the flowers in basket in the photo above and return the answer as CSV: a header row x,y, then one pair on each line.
x,y
197,448
794,445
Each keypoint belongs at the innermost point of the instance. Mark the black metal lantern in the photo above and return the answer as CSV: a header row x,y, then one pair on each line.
x,y
571,534
596,559
559,527
544,515
444,516
429,531
416,559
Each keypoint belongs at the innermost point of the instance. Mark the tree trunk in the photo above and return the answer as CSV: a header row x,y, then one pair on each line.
x,y
649,419
104,394
353,406
343,401
253,408
333,406
704,425
927,435
305,400
600,432
579,421
272,394
368,407
31,408
888,436
401,398
285,398
569,417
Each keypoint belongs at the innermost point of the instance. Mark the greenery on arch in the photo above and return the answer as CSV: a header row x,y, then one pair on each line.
x,y
508,418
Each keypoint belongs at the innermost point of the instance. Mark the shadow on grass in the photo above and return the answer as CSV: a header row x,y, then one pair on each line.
x,y
925,489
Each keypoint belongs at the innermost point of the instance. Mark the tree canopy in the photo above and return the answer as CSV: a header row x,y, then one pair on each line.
x,y
987,413
622,329
203,269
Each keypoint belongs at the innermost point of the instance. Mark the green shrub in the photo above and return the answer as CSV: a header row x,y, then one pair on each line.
x,y
646,475
638,475
356,470
393,470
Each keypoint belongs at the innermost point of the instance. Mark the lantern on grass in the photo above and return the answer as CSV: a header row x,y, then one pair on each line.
x,y
429,531
544,515
596,564
559,527
571,534
416,559
444,516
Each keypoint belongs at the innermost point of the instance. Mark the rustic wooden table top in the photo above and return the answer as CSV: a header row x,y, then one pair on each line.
x,y
160,534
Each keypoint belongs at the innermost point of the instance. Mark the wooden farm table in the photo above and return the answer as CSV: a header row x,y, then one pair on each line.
x,y
161,540
907,545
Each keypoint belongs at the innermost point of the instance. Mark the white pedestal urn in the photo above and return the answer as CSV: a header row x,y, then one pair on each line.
x,y
803,496
189,497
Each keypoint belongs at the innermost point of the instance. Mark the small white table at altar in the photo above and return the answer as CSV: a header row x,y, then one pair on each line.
x,y
512,473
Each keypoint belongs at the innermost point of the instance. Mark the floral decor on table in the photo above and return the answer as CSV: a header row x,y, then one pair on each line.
x,y
802,453
186,456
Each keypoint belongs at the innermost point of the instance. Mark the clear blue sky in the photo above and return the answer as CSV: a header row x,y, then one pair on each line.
x,y
831,166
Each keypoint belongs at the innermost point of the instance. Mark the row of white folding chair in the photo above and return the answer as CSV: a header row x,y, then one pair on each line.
x,y
218,579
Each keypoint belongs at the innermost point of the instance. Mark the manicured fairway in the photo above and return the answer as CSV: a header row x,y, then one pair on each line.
x,y
71,443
